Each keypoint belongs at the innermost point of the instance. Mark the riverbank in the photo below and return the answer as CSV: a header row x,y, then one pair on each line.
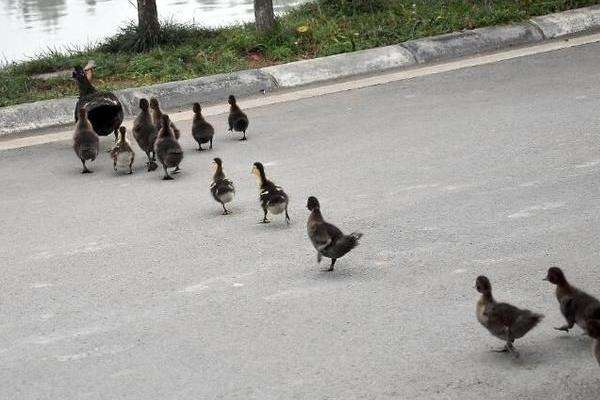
x,y
309,31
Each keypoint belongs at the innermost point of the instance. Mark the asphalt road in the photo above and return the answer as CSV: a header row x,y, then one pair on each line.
x,y
129,287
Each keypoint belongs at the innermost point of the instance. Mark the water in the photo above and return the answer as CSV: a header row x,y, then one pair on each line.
x,y
28,27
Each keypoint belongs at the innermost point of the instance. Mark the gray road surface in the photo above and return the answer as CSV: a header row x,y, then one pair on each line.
x,y
128,287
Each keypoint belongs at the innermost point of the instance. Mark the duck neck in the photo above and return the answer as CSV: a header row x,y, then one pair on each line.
x,y
487,297
84,123
316,214
218,173
85,87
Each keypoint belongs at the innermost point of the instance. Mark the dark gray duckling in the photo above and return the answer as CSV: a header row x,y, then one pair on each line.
x,y
85,141
202,131
144,132
593,329
167,148
157,118
238,120
327,239
122,154
575,305
222,189
503,320
272,197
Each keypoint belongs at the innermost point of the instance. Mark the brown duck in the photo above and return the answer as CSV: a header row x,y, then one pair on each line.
x,y
327,239
202,131
503,320
122,154
85,141
238,120
167,148
575,305
144,132
157,118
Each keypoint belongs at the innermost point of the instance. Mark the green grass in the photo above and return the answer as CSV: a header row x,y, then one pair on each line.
x,y
332,27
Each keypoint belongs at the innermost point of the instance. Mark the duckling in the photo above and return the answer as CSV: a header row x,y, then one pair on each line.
x,y
122,154
328,240
85,141
144,132
503,320
222,189
575,305
202,131
238,120
157,118
167,148
593,329
272,197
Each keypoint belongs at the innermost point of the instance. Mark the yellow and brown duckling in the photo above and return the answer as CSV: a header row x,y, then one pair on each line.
x,y
222,189
503,320
327,239
85,140
122,154
157,115
202,131
593,330
575,305
144,132
238,120
167,148
272,197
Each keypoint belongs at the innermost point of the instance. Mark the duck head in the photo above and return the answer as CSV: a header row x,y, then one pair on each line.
x,y
144,104
217,164
154,104
89,70
82,113
197,109
258,170
165,129
84,85
483,285
312,203
556,276
231,100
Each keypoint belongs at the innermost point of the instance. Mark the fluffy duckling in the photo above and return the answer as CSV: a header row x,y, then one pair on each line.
x,y
272,197
202,131
144,132
328,240
575,305
593,329
238,120
122,154
157,118
167,148
222,189
503,320
85,141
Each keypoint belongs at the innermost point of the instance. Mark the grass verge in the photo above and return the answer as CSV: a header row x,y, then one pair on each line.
x,y
311,30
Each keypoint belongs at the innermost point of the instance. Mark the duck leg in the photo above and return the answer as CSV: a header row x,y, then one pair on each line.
x,y
265,220
566,327
176,170
200,147
131,167
167,177
333,260
225,211
115,165
210,144
243,137
85,168
319,258
287,217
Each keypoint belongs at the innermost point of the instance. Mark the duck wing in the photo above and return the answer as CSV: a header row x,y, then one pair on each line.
x,y
517,320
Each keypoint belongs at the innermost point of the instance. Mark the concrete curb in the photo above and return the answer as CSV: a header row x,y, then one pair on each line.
x,y
173,95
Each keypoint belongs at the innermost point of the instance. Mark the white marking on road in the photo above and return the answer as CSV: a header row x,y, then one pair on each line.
x,y
238,284
337,87
194,288
588,164
459,271
528,212
41,285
